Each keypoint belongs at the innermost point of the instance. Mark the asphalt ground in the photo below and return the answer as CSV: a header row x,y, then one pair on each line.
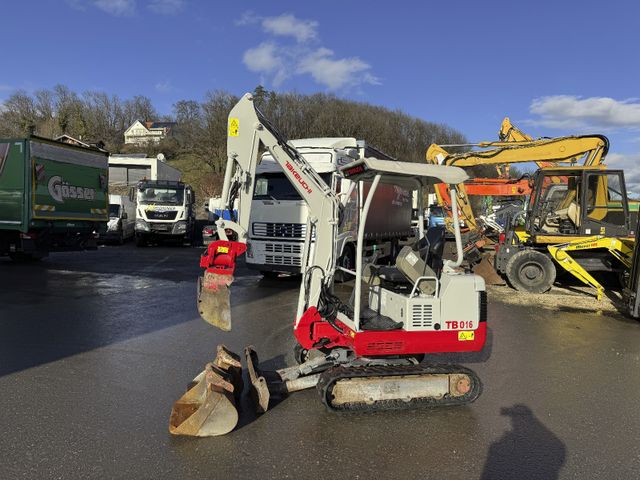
x,y
96,346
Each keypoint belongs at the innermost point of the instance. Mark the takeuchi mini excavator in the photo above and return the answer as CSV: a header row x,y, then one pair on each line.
x,y
362,354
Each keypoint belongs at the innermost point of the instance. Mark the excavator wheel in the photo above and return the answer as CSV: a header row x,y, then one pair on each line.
x,y
531,271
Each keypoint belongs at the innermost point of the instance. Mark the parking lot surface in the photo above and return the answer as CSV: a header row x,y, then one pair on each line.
x,y
96,346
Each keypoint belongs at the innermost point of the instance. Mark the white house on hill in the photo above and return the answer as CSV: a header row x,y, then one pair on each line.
x,y
142,133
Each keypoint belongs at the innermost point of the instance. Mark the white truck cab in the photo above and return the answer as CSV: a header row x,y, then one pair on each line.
x,y
279,215
166,211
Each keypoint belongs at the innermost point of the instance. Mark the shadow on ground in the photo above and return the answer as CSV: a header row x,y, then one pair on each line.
x,y
529,450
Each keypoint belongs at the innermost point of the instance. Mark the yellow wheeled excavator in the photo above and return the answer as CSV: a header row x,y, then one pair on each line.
x,y
514,146
578,214
361,353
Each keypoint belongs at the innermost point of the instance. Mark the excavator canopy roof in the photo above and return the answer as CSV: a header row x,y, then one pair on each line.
x,y
403,173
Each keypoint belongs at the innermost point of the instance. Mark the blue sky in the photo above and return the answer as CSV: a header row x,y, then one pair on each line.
x,y
555,68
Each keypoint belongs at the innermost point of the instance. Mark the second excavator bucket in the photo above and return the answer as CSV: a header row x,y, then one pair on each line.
x,y
214,303
208,408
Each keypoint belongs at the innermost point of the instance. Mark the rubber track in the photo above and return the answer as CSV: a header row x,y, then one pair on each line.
x,y
329,378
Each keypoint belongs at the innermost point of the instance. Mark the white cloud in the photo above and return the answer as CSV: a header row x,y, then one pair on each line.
x,y
120,8
266,60
336,73
248,18
572,112
166,7
276,61
630,163
164,87
287,25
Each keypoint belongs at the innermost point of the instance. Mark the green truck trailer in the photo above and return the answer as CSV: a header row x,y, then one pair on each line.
x,y
53,197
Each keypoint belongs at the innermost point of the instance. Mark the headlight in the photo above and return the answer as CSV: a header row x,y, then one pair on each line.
x,y
141,225
180,227
249,252
114,226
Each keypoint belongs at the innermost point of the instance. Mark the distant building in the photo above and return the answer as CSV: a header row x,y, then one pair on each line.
x,y
126,170
79,143
143,133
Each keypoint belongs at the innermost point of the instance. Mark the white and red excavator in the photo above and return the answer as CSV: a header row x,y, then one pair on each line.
x,y
362,353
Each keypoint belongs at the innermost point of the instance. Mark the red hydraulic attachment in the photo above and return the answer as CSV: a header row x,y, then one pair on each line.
x,y
213,287
221,256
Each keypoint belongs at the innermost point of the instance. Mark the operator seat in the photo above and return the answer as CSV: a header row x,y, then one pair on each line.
x,y
423,258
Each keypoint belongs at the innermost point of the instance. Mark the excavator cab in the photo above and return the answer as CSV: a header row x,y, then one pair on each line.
x,y
569,201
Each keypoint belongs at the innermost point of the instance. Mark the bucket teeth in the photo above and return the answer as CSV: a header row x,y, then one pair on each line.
x,y
214,303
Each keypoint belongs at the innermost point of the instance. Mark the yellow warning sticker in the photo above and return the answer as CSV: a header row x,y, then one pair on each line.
x,y
464,336
234,126
226,250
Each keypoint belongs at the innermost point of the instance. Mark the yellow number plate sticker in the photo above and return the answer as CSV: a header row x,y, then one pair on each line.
x,y
234,126
226,250
464,336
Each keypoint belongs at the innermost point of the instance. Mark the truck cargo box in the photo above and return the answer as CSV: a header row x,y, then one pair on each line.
x,y
50,191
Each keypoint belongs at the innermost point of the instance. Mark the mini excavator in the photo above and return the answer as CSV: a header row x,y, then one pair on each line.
x,y
362,354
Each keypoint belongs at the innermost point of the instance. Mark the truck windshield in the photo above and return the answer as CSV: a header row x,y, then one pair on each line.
x,y
275,186
161,196
114,210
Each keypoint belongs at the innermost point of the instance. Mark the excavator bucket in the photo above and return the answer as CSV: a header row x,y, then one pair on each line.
x,y
487,271
208,408
259,388
214,303
219,261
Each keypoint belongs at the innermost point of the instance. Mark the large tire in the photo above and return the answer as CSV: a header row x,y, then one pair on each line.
x,y
141,241
531,271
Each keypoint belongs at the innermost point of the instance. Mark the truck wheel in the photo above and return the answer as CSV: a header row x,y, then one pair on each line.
x,y
21,257
269,274
531,271
121,239
141,241
346,260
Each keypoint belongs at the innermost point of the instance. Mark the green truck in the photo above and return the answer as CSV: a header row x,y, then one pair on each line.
x,y
53,197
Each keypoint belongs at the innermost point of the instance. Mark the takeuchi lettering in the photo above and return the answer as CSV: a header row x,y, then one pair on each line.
x,y
297,176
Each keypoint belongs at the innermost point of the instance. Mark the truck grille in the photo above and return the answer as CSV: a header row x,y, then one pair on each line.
x,y
422,316
282,260
154,215
279,230
161,227
283,248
